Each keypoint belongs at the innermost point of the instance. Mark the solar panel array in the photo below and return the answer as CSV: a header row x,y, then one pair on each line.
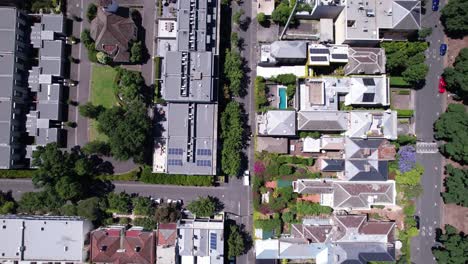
x,y
213,241
174,162
175,151
204,163
204,152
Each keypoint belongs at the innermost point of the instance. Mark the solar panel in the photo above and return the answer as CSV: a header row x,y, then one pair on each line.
x,y
368,81
213,243
339,56
319,51
175,151
368,97
174,162
314,58
204,152
204,163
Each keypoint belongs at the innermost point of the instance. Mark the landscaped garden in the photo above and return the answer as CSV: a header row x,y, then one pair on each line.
x,y
276,205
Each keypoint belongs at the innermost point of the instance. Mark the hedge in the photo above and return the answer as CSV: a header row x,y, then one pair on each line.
x,y
404,92
174,179
404,113
398,82
16,174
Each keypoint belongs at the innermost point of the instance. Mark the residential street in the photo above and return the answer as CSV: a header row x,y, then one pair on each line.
x,y
80,72
232,195
249,37
429,105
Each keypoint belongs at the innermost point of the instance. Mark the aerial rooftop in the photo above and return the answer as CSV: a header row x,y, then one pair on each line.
x,y
43,238
191,144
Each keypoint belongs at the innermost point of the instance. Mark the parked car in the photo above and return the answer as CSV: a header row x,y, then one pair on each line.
x,y
442,85
443,49
416,218
246,178
435,5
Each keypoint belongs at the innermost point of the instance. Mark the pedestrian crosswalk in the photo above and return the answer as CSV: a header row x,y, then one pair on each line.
x,y
426,147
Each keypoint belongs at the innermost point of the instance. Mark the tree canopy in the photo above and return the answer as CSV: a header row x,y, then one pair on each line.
x,y
406,59
203,206
233,69
136,52
281,13
454,17
7,203
452,128
130,85
454,247
456,77
231,134
68,181
456,184
119,202
89,110
235,242
167,213
127,130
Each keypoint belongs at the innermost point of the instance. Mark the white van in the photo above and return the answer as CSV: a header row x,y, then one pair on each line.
x,y
246,178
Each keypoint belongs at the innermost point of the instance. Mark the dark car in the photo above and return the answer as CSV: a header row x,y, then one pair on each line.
x,y
435,5
443,49
416,218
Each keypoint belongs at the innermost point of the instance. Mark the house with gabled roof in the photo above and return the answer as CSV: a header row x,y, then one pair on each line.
x,y
166,243
349,195
337,239
112,31
277,123
118,245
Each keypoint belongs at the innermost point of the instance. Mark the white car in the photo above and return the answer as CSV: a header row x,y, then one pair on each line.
x,y
246,178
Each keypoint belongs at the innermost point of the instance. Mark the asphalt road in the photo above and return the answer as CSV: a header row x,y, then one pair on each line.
x,y
247,34
80,72
232,195
429,105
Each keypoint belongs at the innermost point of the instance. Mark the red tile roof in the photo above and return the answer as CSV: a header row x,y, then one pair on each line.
x,y
167,234
116,246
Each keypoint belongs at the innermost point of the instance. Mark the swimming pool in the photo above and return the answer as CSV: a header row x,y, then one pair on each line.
x,y
283,98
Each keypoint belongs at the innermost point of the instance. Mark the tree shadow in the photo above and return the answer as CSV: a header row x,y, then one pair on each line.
x,y
245,82
219,206
245,23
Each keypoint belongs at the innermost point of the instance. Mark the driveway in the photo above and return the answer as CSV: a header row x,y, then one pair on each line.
x,y
429,105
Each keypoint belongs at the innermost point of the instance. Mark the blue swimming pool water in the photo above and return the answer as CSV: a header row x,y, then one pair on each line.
x,y
283,98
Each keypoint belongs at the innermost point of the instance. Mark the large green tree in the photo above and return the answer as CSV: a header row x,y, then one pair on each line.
x,y
454,247
167,213
89,110
456,77
406,57
130,85
452,127
454,17
456,184
234,71
231,134
235,242
128,130
203,206
281,13
142,206
119,202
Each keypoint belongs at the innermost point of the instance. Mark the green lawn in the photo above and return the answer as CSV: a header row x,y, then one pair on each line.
x,y
102,93
397,81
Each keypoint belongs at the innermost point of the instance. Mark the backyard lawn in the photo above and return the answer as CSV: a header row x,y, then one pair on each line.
x,y
102,93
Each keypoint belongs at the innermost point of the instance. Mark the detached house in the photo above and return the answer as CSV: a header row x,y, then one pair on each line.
x,y
112,31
